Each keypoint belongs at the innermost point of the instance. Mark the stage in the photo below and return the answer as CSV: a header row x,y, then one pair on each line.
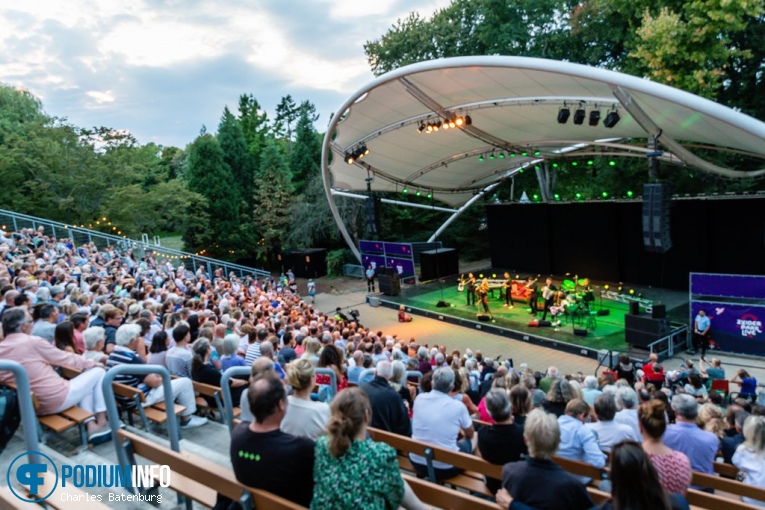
x,y
604,332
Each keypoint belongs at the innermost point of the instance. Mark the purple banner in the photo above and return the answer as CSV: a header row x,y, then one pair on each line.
x,y
403,266
371,247
723,285
398,250
376,261
735,328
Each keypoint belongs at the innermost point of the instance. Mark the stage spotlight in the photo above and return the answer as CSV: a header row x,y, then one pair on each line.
x,y
491,156
501,155
421,127
429,129
620,288
349,158
430,195
536,197
579,116
578,196
494,275
459,121
437,126
574,163
563,115
512,154
632,292
480,158
419,193
446,125
468,120
611,119
405,190
629,194
520,171
612,163
594,117
557,196
524,154
605,286
517,277
480,275
604,194
452,124
590,162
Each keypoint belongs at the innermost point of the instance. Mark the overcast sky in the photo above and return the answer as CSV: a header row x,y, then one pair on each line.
x,y
162,69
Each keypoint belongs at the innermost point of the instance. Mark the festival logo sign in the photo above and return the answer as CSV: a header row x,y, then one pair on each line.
x,y
749,325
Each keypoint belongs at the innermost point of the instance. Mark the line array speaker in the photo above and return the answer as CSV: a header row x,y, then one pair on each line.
x,y
657,201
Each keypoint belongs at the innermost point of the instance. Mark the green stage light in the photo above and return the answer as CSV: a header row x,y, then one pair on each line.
x,y
536,153
512,154
590,162
536,197
536,167
557,197
604,194
501,155
524,154
574,163
405,190
629,194
419,193
555,165
430,195
491,156
612,163
480,158
520,171
578,196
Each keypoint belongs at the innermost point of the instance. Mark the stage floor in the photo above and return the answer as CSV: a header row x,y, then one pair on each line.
x,y
607,333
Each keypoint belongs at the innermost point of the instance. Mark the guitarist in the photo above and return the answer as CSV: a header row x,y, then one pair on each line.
x,y
531,284
471,290
508,285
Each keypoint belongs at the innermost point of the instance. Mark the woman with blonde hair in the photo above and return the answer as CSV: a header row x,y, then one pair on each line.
x,y
304,417
750,456
351,472
710,418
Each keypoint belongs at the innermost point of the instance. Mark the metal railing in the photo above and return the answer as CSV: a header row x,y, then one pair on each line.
x,y
677,338
80,235
26,407
353,270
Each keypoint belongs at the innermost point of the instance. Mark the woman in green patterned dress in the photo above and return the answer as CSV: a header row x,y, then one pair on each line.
x,y
351,472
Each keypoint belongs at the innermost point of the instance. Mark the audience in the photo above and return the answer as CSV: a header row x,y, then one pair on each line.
x,y
673,466
607,431
685,436
304,417
577,442
750,455
388,410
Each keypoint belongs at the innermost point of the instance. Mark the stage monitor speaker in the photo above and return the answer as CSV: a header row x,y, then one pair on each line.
x,y
603,312
389,285
634,308
483,317
645,324
580,332
639,339
659,311
435,264
442,304
657,201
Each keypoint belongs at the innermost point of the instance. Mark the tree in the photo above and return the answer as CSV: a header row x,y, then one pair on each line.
x,y
254,122
305,159
210,176
272,199
286,114
237,157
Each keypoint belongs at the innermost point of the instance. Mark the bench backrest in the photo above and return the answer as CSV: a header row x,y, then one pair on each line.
x,y
205,472
443,497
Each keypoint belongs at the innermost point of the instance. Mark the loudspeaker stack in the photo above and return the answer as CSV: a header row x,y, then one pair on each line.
x,y
657,200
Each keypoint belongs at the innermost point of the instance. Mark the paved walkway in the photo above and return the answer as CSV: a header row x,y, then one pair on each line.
x,y
432,331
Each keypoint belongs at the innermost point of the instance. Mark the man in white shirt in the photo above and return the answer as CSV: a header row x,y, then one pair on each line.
x,y
627,399
577,442
607,431
438,419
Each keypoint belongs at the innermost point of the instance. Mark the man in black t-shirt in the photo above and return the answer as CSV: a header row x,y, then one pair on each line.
x,y
266,458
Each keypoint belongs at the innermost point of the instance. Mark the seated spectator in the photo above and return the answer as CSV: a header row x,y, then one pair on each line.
x,y
388,410
673,467
332,357
546,382
402,315
79,324
204,372
126,339
503,441
577,442
54,393
696,388
736,417
255,337
711,419
398,383
158,350
312,348
560,394
685,436
714,371
748,385
636,483
259,368
63,337
750,456
424,360
229,358
537,481
482,411
262,455
94,340
461,387
351,471
590,391
356,368
607,431
178,358
45,325
625,370
627,400
304,417
520,398
438,420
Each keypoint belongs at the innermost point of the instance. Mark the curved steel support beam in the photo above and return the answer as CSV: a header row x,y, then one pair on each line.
x,y
459,211
325,177
652,129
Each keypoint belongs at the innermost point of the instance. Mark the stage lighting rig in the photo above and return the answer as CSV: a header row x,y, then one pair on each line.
x,y
594,117
611,119
579,116
563,115
352,156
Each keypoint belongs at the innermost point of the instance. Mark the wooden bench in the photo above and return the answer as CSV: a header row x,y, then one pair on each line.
x,y
73,417
156,413
9,501
732,487
214,392
67,498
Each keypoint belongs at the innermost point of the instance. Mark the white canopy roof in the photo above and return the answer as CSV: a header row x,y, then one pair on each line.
x,y
513,103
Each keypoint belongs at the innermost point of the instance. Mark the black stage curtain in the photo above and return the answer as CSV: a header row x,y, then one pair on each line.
x,y
604,240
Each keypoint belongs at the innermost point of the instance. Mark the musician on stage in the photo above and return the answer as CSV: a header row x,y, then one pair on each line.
x,y
508,285
548,293
471,286
483,295
531,283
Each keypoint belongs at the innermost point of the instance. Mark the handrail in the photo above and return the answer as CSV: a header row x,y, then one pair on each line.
x,y
127,242
113,414
26,407
225,387
668,338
